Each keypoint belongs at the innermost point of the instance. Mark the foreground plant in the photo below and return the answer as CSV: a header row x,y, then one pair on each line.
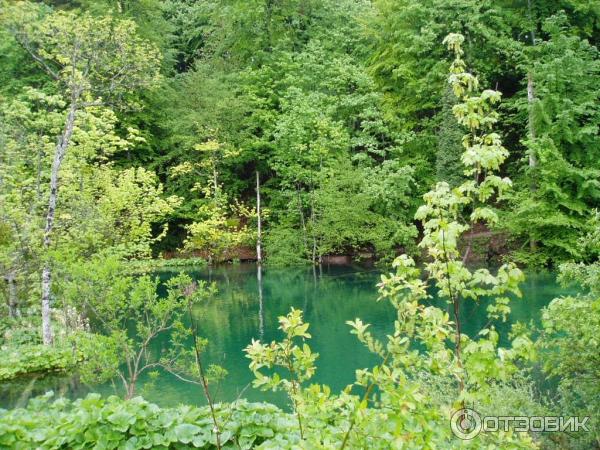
x,y
192,369
298,361
474,362
94,422
129,319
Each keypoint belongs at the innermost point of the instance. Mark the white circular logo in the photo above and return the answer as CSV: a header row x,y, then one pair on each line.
x,y
465,423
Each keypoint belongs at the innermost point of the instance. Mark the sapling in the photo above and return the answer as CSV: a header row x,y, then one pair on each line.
x,y
298,361
446,215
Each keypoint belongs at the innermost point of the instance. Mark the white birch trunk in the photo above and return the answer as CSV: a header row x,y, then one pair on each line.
x,y
259,222
59,154
261,309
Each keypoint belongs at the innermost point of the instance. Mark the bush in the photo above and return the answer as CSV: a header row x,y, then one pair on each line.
x,y
26,359
284,246
142,266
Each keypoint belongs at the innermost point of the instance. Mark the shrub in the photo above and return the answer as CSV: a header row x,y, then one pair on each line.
x,y
27,359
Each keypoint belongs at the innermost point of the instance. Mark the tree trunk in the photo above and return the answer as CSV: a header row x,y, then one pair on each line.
x,y
531,90
302,221
13,305
313,221
38,180
259,222
261,309
59,154
130,389
530,119
531,127
216,183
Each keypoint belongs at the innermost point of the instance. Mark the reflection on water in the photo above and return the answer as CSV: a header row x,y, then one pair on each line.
x,y
247,307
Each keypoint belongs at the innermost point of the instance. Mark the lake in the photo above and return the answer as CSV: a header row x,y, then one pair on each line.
x,y
240,312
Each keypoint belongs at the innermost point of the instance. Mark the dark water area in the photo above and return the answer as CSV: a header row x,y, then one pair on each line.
x,y
243,310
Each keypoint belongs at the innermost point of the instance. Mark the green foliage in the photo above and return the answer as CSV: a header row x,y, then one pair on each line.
x,y
554,45
569,344
448,163
91,63
570,327
128,317
137,424
304,112
298,360
327,100
217,233
353,209
363,209
407,58
86,55
17,361
285,246
101,206
141,266
554,208
148,15
425,343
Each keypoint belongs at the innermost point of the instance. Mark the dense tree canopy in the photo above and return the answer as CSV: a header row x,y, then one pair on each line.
x,y
132,131
310,94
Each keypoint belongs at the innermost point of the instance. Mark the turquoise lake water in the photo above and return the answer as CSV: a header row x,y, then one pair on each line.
x,y
240,313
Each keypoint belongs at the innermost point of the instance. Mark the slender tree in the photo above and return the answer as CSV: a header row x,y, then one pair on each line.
x,y
258,222
93,61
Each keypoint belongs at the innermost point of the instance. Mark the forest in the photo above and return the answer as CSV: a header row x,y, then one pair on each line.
x,y
176,174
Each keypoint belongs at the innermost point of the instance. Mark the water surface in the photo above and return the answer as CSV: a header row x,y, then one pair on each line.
x,y
242,311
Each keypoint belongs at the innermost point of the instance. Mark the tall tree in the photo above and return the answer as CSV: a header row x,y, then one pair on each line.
x,y
93,61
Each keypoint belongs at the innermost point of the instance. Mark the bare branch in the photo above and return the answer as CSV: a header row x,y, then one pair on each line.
x,y
172,372
24,42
